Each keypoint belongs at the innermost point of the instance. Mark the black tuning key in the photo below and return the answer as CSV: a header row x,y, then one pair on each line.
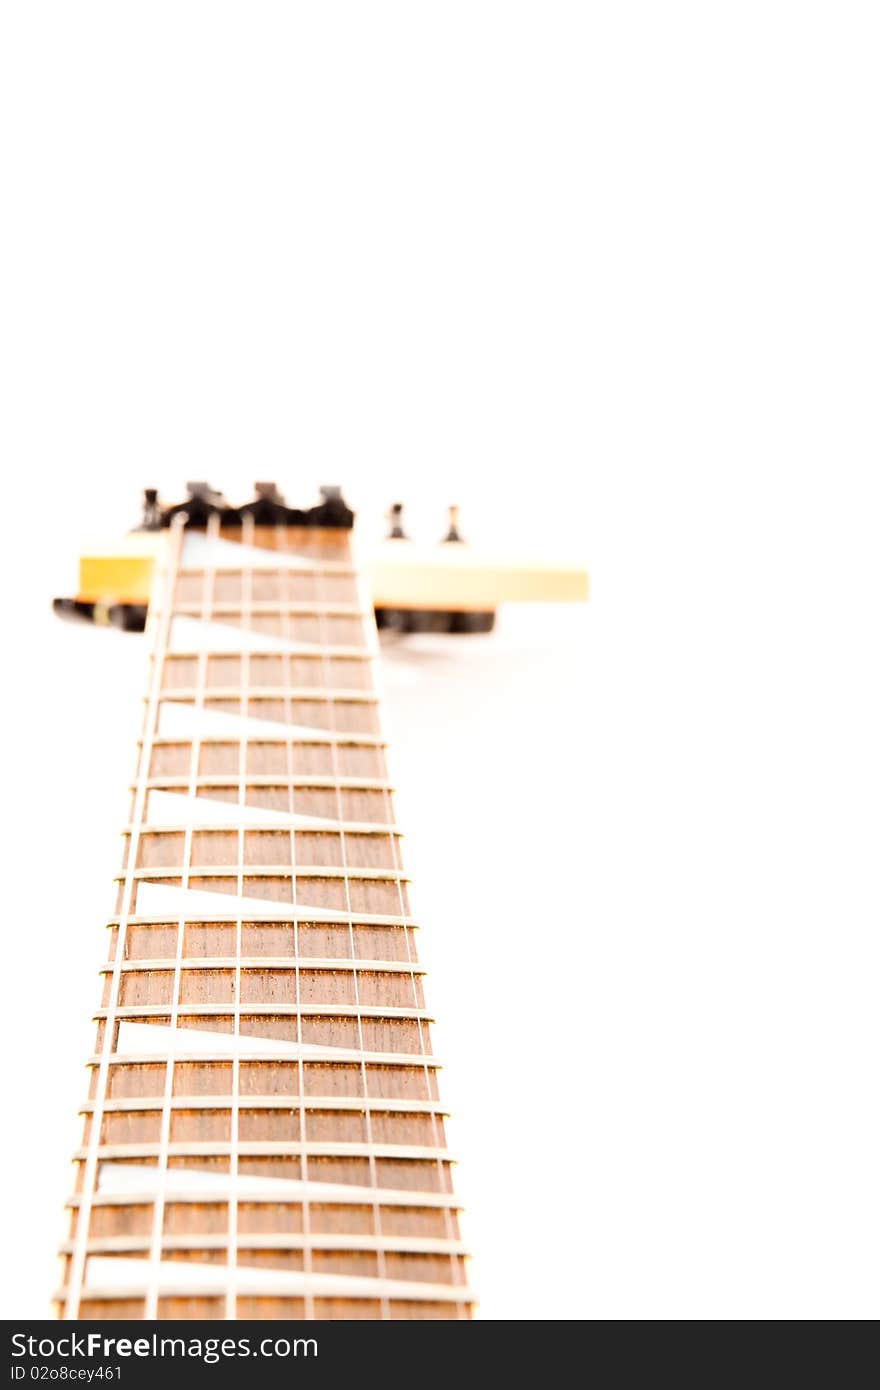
x,y
127,617
268,508
395,518
152,517
433,620
453,534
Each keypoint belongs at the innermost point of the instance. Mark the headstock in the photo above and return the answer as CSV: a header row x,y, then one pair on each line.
x,y
449,586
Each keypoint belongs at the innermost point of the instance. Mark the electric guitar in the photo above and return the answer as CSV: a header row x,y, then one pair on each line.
x,y
263,1131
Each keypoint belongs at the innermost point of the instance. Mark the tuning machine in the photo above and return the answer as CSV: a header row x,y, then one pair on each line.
x,y
439,618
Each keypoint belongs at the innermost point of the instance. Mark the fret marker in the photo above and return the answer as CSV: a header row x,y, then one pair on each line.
x,y
201,812
135,1179
189,1276
201,552
148,1039
182,719
201,905
225,639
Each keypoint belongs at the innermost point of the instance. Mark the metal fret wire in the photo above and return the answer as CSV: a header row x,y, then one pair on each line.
x,y
247,534
309,1298
384,1305
153,1273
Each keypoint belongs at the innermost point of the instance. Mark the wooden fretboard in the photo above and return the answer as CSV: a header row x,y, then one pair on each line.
x,y
263,1135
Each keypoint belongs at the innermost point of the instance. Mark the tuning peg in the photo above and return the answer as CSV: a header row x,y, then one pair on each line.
x,y
152,517
128,617
268,492
453,533
395,517
206,495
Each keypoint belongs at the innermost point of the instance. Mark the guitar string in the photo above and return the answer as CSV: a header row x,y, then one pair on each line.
x,y
158,620
284,581
156,1244
384,1305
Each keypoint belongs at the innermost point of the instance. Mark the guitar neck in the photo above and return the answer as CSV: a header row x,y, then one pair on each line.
x,y
263,1136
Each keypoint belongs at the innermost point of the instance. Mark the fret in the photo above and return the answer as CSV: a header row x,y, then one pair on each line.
x,y
289,1148
275,1011
264,914
334,963
263,1133
147,939
186,1102
279,873
179,683
217,1188
308,786
209,1070
302,736
421,1245
154,981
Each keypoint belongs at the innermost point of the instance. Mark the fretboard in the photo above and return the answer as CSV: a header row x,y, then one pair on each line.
x,y
263,1135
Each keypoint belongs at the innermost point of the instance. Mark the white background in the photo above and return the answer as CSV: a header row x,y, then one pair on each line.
x,y
606,274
